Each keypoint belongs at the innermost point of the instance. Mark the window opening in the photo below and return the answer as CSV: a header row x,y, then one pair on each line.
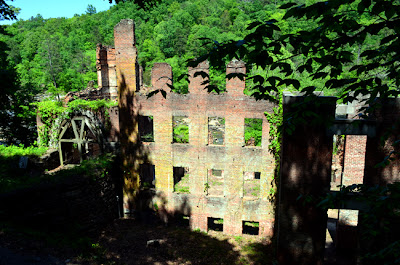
x,y
215,224
215,182
180,132
250,228
252,132
216,130
147,176
251,184
146,128
183,220
181,179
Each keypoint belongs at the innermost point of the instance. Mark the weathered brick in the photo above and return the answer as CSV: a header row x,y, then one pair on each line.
x,y
200,157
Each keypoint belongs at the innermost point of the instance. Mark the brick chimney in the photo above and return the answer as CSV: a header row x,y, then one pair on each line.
x,y
195,83
161,75
126,54
235,86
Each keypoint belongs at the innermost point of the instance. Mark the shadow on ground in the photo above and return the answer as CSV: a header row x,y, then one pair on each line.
x,y
127,241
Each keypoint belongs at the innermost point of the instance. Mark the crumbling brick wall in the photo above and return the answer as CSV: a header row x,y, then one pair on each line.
x,y
199,156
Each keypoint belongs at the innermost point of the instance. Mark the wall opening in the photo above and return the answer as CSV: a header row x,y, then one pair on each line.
x,y
180,133
215,224
181,179
216,131
348,162
251,184
215,182
146,128
252,132
250,228
147,176
337,161
182,220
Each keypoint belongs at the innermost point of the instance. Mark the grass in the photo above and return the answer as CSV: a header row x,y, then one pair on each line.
x,y
13,151
11,175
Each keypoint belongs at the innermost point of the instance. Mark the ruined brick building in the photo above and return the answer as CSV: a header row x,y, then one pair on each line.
x,y
213,175
217,178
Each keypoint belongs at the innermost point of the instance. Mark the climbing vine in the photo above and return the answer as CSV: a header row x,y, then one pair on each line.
x,y
52,113
275,120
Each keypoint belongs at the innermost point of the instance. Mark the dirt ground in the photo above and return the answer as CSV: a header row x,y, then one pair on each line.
x,y
127,241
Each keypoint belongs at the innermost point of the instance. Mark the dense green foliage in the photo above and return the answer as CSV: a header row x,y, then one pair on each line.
x,y
253,131
275,120
6,11
50,111
347,48
181,134
11,175
53,56
13,150
41,57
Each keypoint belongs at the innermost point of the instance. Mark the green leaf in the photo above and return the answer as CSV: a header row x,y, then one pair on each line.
x,y
163,93
287,6
152,93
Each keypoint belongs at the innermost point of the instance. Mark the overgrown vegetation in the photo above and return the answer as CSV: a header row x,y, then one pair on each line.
x,y
180,129
13,151
183,185
275,120
51,111
170,31
252,131
12,177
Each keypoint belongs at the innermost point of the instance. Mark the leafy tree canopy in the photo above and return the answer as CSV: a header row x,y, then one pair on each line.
x,y
349,46
6,11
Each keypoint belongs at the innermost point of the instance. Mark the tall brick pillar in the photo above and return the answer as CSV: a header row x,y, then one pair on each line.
x,y
126,55
305,169
102,66
161,76
106,73
235,86
196,80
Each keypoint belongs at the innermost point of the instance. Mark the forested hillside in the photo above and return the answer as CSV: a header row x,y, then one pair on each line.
x,y
53,56
58,55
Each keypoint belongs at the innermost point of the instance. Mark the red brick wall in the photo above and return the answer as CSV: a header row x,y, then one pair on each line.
x,y
234,158
354,159
106,71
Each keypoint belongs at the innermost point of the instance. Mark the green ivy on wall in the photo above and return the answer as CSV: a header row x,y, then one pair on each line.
x,y
52,113
275,120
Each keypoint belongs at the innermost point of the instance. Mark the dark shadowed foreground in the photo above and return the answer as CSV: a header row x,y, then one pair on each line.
x,y
127,241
